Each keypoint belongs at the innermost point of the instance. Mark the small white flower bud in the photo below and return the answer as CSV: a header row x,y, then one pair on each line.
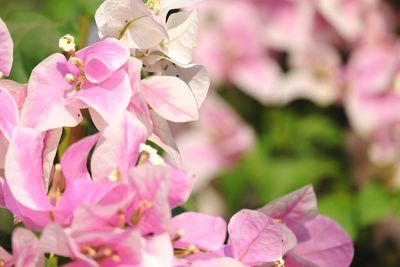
x,y
67,43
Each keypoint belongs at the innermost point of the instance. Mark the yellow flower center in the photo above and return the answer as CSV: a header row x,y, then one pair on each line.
x,y
153,5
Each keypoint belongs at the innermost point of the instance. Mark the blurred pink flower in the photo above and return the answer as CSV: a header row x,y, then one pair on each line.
x,y
232,49
373,99
27,250
6,50
317,240
315,74
215,142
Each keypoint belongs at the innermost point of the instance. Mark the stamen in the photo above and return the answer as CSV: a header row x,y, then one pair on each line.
x,y
89,251
141,207
178,235
57,185
116,258
153,5
115,176
70,78
186,252
1,77
67,43
107,252
77,62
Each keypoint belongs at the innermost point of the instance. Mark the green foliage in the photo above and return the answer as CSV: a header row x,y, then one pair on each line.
x,y
373,203
297,145
36,27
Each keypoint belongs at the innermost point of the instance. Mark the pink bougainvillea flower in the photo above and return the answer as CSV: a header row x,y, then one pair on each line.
x,y
9,118
293,209
314,235
175,96
372,99
287,24
46,105
97,237
231,48
202,231
254,238
157,190
93,248
93,78
315,74
219,139
324,244
6,50
27,250
36,205
12,100
345,16
118,148
150,210
171,98
220,262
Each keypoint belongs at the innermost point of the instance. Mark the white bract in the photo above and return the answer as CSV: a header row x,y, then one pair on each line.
x,y
143,25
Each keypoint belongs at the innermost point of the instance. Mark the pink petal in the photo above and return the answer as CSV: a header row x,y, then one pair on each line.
x,y
292,260
27,250
17,90
203,231
103,58
46,105
257,77
74,160
32,219
138,105
181,185
294,208
7,257
6,49
54,240
109,98
23,169
118,148
221,262
50,144
162,136
255,239
9,114
171,98
151,184
328,244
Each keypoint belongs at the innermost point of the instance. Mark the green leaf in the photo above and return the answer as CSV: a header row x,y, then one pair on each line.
x,y
373,203
6,219
35,38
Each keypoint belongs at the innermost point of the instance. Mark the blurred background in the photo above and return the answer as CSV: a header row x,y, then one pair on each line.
x,y
303,92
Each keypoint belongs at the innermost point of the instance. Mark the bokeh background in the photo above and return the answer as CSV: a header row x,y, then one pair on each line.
x,y
302,92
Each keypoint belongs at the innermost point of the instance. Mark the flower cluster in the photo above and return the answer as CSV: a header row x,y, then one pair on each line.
x,y
335,52
108,200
